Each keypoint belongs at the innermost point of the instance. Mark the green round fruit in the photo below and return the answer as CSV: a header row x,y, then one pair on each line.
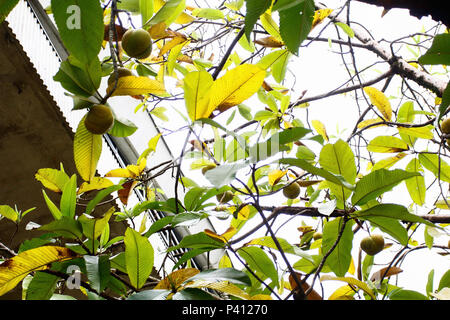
x,y
317,235
99,119
373,244
123,72
292,190
207,168
225,197
137,43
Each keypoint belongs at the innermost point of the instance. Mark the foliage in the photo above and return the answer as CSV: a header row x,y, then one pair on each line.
x,y
346,188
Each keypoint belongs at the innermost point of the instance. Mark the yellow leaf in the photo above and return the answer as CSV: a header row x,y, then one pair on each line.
x,y
184,18
158,31
87,148
131,171
269,42
379,100
385,273
236,86
174,280
419,132
275,176
9,213
388,162
225,262
197,86
244,213
320,15
270,25
134,86
343,292
351,281
368,122
96,183
52,179
13,270
320,128
351,268
224,237
169,45
387,144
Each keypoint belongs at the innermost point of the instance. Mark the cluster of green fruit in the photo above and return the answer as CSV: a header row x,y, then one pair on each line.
x,y
137,44
445,128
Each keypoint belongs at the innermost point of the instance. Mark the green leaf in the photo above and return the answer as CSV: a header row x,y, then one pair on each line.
x,y
208,13
223,174
93,227
436,165
100,196
97,271
52,207
87,148
122,128
406,295
223,274
340,258
389,225
279,67
139,257
268,242
305,165
168,13
339,159
406,114
6,6
42,286
429,286
296,23
416,185
270,59
146,10
196,86
80,25
274,144
378,182
69,198
439,52
445,102
81,80
198,240
445,281
346,28
393,211
254,8
387,144
258,261
65,227
285,4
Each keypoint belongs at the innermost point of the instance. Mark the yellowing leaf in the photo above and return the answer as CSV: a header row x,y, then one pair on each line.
x,y
320,128
131,171
270,25
197,86
388,162
387,144
14,270
171,44
351,281
52,179
87,148
419,132
385,273
236,86
158,31
368,122
341,293
96,183
275,176
9,213
184,18
269,42
379,100
134,86
320,15
174,280
224,237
